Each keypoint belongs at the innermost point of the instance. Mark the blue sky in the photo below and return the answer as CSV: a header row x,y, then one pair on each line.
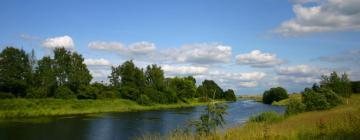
x,y
245,45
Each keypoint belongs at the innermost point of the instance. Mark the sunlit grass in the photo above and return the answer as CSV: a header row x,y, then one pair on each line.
x,y
284,102
18,108
340,123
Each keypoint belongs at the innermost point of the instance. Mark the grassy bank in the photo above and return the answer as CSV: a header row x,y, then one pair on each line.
x,y
342,122
257,98
19,108
284,102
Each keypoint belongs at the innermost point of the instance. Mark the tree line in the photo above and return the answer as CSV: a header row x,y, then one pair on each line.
x,y
64,75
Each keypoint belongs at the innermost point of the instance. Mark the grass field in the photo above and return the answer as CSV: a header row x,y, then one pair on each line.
x,y
20,108
284,102
339,123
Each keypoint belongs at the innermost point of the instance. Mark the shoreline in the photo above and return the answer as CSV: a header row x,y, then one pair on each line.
x,y
32,108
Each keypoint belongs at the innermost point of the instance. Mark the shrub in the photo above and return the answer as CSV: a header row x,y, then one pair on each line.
x,y
64,92
6,95
109,94
314,100
37,93
274,94
294,106
144,100
355,86
331,97
87,92
267,117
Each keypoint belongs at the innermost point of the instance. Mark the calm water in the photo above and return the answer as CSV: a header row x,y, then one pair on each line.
x,y
121,125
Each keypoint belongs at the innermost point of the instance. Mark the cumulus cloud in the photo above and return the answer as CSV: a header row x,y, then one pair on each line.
x,y
300,71
329,15
203,53
56,42
141,47
258,59
134,49
97,62
184,70
108,46
348,56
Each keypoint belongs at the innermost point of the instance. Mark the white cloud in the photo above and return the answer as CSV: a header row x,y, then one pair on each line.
x,y
97,62
184,70
141,47
56,42
109,46
258,59
301,70
248,84
203,53
329,15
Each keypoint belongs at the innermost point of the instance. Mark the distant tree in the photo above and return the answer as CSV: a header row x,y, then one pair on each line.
x,y
274,94
114,77
79,75
355,86
230,95
340,85
184,87
15,71
209,88
155,77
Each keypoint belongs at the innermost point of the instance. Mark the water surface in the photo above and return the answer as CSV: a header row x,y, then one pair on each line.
x,y
123,125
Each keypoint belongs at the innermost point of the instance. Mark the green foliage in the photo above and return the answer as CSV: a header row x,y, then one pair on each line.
x,y
355,86
129,92
155,77
45,75
210,119
340,85
184,88
37,92
64,92
6,95
294,106
268,117
230,95
210,89
274,94
15,71
323,99
87,92
144,100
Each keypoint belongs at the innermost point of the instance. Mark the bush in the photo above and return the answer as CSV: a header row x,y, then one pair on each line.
x,y
37,93
6,95
64,93
230,95
87,92
331,97
109,94
144,100
267,117
294,106
355,86
323,99
274,94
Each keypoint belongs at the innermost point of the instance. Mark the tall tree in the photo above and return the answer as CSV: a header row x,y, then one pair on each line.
x,y
210,89
15,71
45,75
340,85
78,74
155,77
62,65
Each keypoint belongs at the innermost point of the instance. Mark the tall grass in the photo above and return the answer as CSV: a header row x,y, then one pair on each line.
x,y
339,123
18,108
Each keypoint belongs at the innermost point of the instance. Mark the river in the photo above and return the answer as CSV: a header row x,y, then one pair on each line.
x,y
124,125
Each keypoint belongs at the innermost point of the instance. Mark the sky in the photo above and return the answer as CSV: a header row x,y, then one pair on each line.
x,y
249,46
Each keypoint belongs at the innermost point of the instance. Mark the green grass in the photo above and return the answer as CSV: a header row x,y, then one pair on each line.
x,y
284,102
257,98
20,108
339,123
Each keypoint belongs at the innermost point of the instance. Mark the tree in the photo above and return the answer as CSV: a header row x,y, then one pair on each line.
x,y
340,85
45,75
184,87
79,74
155,77
274,94
355,86
15,71
208,88
62,65
230,95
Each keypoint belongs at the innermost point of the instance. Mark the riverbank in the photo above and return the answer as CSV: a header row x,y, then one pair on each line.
x,y
341,122
25,108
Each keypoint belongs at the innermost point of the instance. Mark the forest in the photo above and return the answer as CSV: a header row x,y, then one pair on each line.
x,y
63,75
